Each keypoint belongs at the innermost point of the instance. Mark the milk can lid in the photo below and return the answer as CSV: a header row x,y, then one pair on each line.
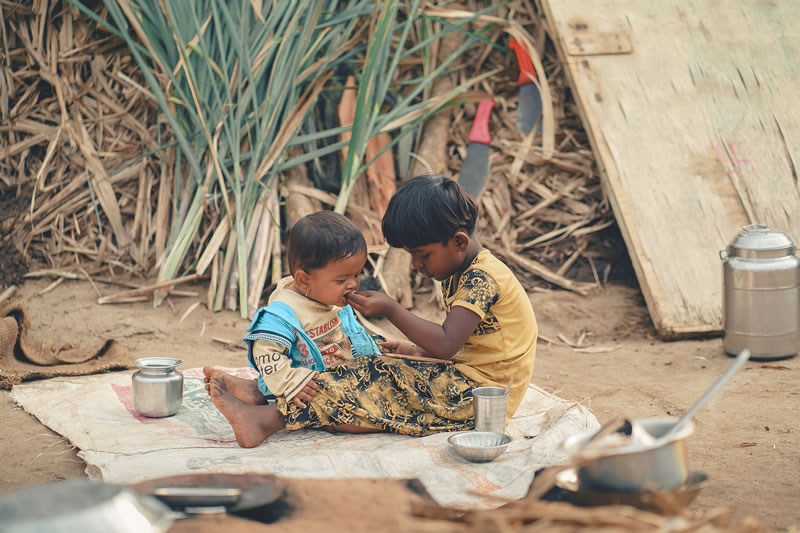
x,y
757,240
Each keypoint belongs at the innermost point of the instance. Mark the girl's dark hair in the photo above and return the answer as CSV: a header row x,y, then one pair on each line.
x,y
428,209
321,237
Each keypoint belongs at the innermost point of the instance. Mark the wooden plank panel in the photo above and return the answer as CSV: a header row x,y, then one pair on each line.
x,y
695,130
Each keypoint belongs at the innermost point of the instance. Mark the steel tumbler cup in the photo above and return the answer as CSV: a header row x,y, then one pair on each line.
x,y
491,405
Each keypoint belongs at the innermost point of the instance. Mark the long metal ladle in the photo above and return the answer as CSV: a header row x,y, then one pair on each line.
x,y
741,359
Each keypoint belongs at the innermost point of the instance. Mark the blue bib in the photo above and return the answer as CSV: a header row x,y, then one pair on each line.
x,y
278,323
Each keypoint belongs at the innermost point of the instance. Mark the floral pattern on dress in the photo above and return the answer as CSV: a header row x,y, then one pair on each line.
x,y
387,394
482,292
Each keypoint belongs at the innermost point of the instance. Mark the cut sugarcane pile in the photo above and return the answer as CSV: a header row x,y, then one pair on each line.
x,y
92,185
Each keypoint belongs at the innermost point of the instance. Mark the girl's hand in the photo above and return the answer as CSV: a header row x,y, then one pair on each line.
x,y
402,348
307,393
371,303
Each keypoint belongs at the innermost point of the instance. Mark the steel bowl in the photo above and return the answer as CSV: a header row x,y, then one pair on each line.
x,y
479,446
658,466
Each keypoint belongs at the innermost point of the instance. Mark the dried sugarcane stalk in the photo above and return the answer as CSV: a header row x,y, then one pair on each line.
x,y
263,252
225,273
144,291
547,274
276,269
212,248
381,177
8,293
212,284
298,204
360,194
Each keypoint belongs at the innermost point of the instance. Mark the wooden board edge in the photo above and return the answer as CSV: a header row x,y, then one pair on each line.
x,y
651,288
684,332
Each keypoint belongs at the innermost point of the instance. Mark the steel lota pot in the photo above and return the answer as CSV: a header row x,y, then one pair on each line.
x,y
157,386
761,294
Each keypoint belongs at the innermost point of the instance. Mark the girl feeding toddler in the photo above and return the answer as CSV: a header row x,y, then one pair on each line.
x,y
487,338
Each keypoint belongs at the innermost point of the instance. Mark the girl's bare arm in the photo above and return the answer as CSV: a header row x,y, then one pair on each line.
x,y
441,341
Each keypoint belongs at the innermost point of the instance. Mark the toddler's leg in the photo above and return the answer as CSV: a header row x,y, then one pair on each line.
x,y
252,424
243,389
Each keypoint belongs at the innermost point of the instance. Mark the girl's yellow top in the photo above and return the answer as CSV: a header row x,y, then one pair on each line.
x,y
503,344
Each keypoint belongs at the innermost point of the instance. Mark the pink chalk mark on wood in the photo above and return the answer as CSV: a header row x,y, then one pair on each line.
x,y
731,161
738,160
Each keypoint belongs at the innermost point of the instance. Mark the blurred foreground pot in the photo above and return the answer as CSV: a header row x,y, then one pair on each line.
x,y
82,506
634,467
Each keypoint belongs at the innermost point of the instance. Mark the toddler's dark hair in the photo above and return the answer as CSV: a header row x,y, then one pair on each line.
x,y
319,238
428,209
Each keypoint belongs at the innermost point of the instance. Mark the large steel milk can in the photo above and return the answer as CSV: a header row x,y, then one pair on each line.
x,y
761,294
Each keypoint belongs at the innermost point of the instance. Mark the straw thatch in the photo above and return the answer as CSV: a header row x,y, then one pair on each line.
x,y
76,130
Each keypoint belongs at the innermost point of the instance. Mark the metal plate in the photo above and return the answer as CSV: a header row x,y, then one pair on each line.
x,y
651,501
198,496
226,492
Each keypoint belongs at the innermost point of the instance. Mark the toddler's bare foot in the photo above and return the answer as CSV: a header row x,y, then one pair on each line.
x,y
243,389
252,424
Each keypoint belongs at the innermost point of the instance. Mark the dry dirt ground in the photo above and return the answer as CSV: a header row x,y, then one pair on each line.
x,y
640,377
